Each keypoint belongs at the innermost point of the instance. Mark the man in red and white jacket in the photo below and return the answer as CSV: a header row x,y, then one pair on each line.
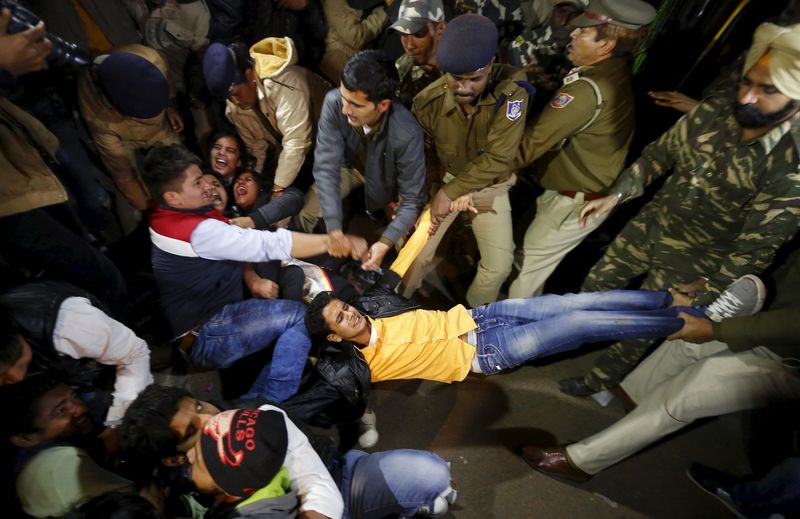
x,y
197,258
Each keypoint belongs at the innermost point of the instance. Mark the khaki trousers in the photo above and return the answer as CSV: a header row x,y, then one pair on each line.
x,y
493,231
553,233
679,383
311,212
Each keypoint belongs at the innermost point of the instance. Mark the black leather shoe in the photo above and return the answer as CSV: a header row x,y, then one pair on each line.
x,y
575,386
553,462
715,483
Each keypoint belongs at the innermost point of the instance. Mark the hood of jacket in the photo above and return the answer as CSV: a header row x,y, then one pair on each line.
x,y
272,55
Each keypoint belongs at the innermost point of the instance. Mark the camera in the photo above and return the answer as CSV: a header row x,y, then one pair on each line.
x,y
63,52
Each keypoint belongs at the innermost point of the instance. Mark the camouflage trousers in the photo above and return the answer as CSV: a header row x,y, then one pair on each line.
x,y
628,257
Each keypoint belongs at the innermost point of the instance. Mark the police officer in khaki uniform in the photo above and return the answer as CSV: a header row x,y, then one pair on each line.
x,y
124,98
580,140
474,118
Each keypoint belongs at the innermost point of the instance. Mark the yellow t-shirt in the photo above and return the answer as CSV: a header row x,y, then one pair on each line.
x,y
421,344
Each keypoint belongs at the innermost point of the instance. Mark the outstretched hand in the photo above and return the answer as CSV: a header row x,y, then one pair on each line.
x,y
597,208
673,99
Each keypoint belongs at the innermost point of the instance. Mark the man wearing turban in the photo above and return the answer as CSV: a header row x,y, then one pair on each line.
x,y
731,200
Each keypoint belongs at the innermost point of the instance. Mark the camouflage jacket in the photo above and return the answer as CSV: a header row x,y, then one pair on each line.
x,y
413,79
728,203
544,62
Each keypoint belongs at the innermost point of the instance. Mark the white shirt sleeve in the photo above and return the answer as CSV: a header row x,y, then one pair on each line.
x,y
216,240
84,331
308,475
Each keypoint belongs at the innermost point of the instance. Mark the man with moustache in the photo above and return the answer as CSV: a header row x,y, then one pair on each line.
x,y
578,143
51,427
732,200
473,117
420,24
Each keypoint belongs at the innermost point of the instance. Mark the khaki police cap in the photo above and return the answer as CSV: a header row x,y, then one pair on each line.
x,y
631,14
415,14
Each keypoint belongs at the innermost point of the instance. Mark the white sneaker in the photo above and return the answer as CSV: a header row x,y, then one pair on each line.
x,y
443,501
743,297
367,433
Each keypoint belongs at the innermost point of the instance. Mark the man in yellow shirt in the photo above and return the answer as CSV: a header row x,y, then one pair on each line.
x,y
446,346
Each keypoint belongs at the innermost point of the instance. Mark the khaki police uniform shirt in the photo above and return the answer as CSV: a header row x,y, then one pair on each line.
x,y
479,150
118,136
590,160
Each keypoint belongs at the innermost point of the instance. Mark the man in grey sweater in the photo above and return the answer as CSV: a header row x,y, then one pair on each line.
x,y
364,138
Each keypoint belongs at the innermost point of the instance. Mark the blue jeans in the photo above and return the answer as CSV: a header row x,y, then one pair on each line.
x,y
240,329
515,331
401,482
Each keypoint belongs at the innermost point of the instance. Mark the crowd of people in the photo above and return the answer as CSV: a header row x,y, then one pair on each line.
x,y
298,166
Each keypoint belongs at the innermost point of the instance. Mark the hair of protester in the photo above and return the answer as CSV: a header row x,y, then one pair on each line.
x,y
165,168
369,71
116,505
20,402
315,321
10,342
242,59
209,171
145,432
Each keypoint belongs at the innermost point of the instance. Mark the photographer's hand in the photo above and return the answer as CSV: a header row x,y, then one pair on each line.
x,y
25,51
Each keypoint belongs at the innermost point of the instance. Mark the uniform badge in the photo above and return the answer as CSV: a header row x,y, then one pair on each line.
x,y
561,100
513,110
571,78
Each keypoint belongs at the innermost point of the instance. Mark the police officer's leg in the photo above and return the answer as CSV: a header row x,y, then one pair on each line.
x,y
306,220
626,258
493,228
621,357
553,233
667,361
722,383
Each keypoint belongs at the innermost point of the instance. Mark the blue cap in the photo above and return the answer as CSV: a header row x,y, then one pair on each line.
x,y
219,69
468,42
133,85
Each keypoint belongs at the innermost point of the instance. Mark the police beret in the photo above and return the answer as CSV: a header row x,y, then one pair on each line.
x,y
631,14
133,85
219,69
468,43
